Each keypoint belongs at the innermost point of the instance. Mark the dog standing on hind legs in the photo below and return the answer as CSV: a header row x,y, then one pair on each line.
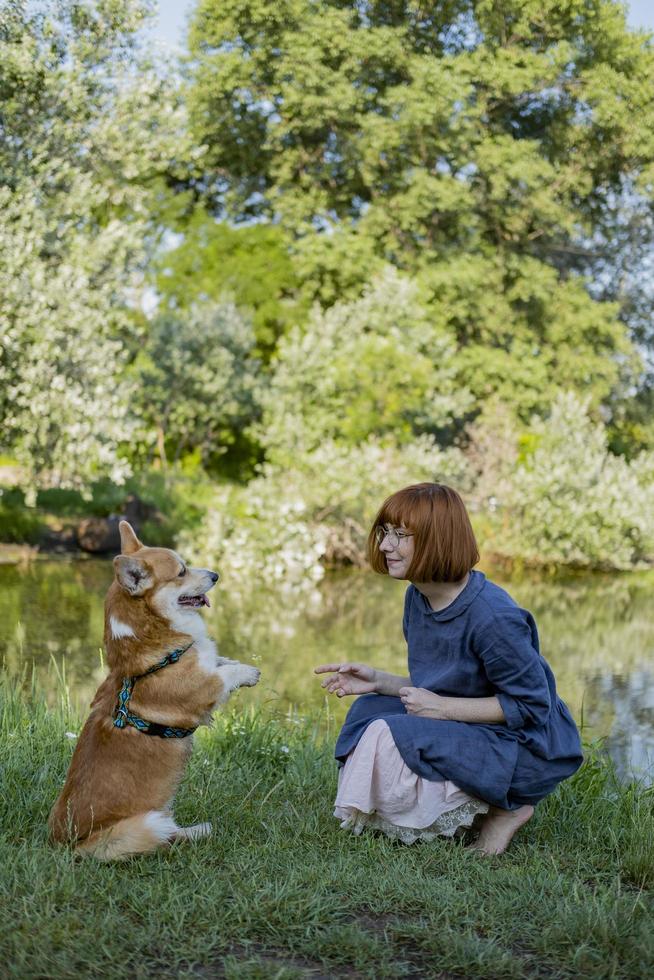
x,y
165,680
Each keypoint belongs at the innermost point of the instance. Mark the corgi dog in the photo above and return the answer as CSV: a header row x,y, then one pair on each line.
x,y
165,679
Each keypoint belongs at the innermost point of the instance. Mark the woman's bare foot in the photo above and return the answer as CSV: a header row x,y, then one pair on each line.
x,y
498,829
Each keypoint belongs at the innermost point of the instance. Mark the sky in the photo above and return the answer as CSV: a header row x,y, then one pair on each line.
x,y
641,13
171,21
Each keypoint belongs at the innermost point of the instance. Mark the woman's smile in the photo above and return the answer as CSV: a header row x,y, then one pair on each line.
x,y
396,566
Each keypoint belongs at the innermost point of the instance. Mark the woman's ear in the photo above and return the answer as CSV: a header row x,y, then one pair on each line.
x,y
129,543
132,574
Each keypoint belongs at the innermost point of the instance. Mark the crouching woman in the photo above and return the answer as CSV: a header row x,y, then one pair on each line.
x,y
477,727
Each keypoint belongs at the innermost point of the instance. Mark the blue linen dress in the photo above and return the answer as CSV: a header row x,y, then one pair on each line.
x,y
482,644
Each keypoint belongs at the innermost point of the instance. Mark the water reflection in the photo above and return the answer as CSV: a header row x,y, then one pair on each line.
x,y
629,742
596,632
52,615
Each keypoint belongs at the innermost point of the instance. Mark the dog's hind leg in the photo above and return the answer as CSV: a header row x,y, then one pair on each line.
x,y
133,835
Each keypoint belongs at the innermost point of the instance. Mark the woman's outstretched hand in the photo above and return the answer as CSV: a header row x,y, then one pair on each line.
x,y
347,679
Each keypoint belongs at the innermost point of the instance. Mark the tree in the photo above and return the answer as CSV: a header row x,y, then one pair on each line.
x,y
374,367
251,264
89,131
481,147
198,387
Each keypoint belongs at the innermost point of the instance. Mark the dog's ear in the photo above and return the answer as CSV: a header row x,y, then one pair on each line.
x,y
129,543
133,574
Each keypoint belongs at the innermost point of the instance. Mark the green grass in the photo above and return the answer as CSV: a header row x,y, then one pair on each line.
x,y
279,891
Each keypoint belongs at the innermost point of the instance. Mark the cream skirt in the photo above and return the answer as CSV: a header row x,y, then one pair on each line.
x,y
376,789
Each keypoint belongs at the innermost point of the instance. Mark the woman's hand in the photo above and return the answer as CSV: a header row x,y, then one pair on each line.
x,y
348,679
422,703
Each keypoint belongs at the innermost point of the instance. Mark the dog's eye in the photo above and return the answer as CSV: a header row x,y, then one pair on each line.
x,y
183,572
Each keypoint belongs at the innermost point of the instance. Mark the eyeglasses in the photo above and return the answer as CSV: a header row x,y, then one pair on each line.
x,y
394,535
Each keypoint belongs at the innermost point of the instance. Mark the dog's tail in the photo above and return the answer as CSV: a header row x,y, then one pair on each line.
x,y
134,835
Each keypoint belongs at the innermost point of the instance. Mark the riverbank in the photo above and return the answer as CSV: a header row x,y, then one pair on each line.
x,y
279,891
76,524
227,523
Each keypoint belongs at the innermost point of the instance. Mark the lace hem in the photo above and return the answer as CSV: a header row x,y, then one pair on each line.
x,y
446,825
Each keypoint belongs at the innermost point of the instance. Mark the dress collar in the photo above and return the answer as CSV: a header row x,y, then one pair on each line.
x,y
473,587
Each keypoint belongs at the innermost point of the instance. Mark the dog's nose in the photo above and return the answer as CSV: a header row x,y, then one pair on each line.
x,y
214,577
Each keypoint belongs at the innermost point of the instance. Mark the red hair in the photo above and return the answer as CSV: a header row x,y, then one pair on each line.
x,y
444,545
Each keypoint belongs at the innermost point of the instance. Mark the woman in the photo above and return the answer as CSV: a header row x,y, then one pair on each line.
x,y
476,727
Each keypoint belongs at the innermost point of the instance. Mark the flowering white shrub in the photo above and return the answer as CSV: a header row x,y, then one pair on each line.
x,y
65,403
571,501
89,128
287,524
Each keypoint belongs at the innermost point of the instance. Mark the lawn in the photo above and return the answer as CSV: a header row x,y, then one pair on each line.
x,y
280,891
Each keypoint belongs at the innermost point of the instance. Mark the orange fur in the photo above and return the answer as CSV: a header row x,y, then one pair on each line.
x,y
118,794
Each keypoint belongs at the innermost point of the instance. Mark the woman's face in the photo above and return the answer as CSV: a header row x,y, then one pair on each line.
x,y
397,548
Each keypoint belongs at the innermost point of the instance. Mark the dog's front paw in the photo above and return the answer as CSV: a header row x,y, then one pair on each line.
x,y
235,675
249,677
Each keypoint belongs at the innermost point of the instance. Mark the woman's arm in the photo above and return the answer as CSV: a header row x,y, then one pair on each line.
x,y
508,651
425,704
390,683
348,679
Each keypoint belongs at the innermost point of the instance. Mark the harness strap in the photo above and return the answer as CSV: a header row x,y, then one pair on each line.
x,y
123,716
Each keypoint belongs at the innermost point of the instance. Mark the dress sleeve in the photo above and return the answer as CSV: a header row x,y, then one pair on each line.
x,y
405,617
514,668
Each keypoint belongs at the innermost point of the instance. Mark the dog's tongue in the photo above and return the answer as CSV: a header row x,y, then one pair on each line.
x,y
205,600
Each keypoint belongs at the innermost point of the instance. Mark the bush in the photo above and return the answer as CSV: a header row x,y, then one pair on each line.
x,y
18,525
289,523
569,500
177,501
377,367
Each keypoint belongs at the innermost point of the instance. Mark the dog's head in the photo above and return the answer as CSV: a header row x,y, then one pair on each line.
x,y
160,576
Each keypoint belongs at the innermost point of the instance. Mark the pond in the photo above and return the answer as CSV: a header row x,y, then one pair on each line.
x,y
596,631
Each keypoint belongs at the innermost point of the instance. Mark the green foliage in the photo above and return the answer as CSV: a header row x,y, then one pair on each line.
x,y
286,525
89,131
178,500
353,404
485,150
198,387
17,523
462,190
524,336
250,264
571,501
374,367
631,426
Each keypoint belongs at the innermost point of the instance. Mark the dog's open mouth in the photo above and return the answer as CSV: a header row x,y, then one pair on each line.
x,y
193,600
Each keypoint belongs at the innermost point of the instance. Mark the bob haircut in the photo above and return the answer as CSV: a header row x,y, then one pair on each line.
x,y
444,545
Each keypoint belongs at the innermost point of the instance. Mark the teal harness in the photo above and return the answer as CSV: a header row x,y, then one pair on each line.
x,y
123,716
